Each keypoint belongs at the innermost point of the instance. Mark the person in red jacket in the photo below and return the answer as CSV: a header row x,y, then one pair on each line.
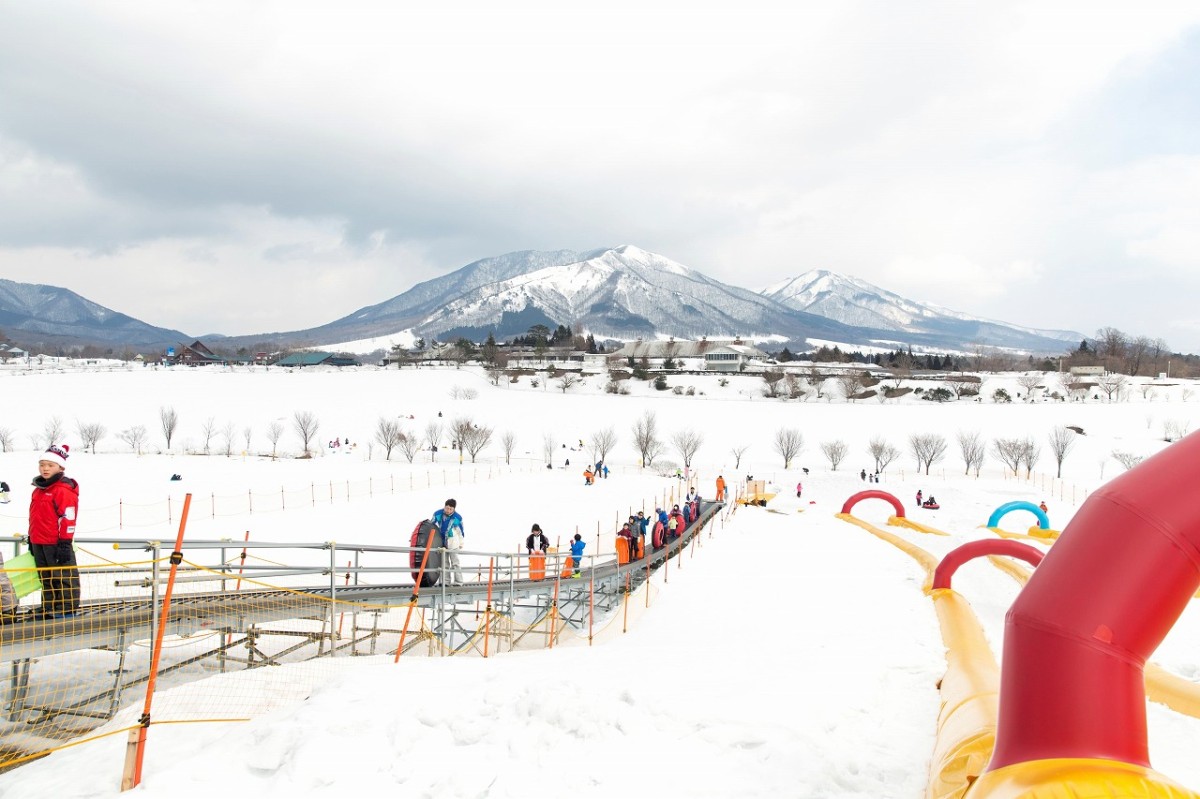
x,y
52,513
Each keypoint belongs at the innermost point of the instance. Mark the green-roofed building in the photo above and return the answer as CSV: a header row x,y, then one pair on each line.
x,y
302,359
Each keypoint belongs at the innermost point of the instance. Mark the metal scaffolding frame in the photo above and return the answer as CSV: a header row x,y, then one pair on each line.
x,y
242,616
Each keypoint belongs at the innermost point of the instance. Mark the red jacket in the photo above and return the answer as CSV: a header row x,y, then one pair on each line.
x,y
52,509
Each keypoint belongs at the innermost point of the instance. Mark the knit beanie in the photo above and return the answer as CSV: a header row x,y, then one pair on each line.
x,y
56,453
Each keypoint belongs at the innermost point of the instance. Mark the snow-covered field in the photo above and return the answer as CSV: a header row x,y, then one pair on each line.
x,y
793,655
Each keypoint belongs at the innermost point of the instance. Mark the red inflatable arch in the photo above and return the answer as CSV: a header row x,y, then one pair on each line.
x,y
976,549
861,495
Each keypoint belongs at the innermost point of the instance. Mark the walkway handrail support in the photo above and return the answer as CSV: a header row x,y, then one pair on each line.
x,y
135,752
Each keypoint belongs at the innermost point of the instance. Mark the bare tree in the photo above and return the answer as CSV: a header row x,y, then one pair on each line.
x,y
460,431
409,444
1029,381
475,440
971,449
1030,452
851,384
835,451
1009,451
645,438
882,451
387,433
306,425
1110,346
962,385
1065,380
1062,440
788,443
6,439
89,434
433,434
814,379
737,453
771,380
274,433
508,442
927,448
135,437
687,442
1127,459
1111,384
548,445
208,429
568,380
1136,352
227,435
603,442
169,420
247,434
52,432
1173,429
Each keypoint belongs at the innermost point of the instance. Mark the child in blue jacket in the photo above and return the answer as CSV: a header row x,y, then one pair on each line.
x,y
577,553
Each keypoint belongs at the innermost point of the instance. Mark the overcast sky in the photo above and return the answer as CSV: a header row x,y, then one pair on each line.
x,y
242,168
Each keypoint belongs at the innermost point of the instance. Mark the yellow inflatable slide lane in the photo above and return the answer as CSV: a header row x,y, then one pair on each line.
x,y
969,712
1070,778
966,730
928,562
904,521
1035,534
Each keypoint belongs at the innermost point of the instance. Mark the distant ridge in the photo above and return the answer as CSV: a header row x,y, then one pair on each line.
x,y
50,317
622,293
858,303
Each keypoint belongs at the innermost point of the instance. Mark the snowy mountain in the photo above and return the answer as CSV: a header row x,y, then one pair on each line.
x,y
858,303
48,316
622,293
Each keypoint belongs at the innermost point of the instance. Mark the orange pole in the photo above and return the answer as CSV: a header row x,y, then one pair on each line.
x,y
487,613
136,751
412,602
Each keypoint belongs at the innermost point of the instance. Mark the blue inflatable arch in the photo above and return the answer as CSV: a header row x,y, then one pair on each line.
x,y
1009,507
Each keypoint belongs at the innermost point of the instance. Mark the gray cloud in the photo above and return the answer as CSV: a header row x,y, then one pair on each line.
x,y
989,160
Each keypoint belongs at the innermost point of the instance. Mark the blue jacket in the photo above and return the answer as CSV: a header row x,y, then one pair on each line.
x,y
450,526
577,551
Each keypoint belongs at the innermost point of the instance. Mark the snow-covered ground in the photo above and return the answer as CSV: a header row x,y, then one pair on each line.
x,y
792,655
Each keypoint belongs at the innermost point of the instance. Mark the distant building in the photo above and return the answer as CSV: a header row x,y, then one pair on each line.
x,y
8,352
194,354
302,359
1088,371
709,356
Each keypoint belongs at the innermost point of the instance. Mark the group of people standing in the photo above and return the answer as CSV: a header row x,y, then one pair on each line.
x,y
538,542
